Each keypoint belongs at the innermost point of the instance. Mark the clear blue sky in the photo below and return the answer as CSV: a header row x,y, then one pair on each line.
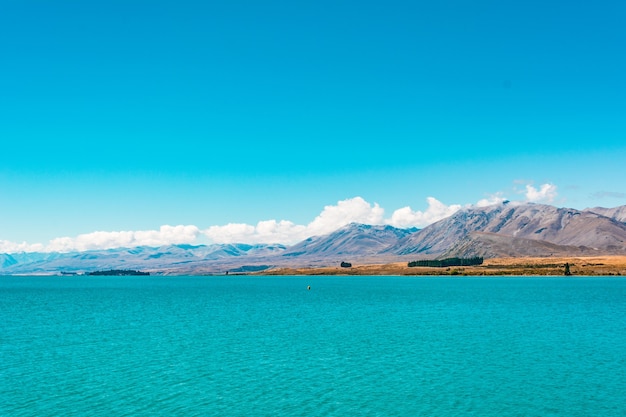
x,y
129,115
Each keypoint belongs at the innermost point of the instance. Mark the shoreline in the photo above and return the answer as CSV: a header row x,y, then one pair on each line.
x,y
604,265
579,266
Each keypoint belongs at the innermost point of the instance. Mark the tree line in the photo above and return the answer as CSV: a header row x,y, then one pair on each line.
x,y
438,263
118,272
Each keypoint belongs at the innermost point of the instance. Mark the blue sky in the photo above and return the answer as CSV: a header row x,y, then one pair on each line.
x,y
131,115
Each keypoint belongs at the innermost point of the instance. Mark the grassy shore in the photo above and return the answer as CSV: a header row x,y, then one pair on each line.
x,y
592,266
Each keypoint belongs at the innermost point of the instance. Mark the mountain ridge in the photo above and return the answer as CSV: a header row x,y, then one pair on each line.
x,y
537,222
507,229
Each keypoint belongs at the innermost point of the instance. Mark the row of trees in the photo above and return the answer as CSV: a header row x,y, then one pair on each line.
x,y
438,263
118,272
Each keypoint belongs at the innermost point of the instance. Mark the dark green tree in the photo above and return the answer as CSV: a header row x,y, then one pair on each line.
x,y
440,263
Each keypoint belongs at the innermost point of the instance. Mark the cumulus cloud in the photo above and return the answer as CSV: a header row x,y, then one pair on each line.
x,y
491,200
166,235
405,217
268,231
332,217
352,210
12,247
546,193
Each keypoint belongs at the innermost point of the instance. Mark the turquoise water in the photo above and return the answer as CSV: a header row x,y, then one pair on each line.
x,y
266,346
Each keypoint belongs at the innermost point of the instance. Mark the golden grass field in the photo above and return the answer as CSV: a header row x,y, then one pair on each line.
x,y
586,266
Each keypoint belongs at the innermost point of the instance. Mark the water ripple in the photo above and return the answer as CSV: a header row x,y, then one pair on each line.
x,y
265,346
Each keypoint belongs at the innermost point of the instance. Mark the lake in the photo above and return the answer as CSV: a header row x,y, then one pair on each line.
x,y
268,346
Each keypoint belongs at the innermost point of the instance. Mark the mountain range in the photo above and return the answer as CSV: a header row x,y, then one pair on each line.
x,y
508,229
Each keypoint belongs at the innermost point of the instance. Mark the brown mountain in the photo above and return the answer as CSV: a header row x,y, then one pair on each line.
x,y
520,229
493,245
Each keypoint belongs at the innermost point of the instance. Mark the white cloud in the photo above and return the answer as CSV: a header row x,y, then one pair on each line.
x,y
491,200
331,218
355,210
405,217
352,210
545,194
268,231
166,235
11,247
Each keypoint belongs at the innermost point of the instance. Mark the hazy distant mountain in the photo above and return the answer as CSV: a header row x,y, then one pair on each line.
x,y
168,257
539,222
7,260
